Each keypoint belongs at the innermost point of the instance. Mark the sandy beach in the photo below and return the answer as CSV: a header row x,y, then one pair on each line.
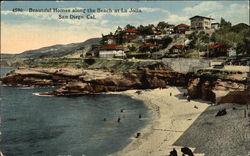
x,y
172,116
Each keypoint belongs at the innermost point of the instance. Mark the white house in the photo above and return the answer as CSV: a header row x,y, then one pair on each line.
x,y
200,23
111,51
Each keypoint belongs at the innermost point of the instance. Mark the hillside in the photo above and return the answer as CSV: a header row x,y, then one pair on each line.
x,y
57,50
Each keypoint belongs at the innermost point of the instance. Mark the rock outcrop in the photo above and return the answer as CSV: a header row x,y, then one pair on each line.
x,y
215,90
79,83
73,82
149,77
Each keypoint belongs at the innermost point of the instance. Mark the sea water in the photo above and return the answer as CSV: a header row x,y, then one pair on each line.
x,y
53,126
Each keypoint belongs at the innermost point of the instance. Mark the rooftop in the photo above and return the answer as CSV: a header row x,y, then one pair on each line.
x,y
178,46
201,17
149,45
216,46
182,25
130,31
110,47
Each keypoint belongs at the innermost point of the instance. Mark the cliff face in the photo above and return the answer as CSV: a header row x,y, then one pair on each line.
x,y
78,83
216,90
141,78
37,78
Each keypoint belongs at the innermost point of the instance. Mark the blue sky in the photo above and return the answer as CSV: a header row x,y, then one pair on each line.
x,y
35,30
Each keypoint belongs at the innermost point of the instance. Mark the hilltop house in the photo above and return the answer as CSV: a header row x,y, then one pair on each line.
x,y
129,34
200,23
108,39
154,31
152,47
216,50
177,49
169,29
181,28
111,51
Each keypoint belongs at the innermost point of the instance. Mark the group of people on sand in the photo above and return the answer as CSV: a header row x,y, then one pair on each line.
x,y
185,152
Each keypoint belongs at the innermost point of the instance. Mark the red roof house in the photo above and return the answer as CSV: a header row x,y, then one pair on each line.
x,y
152,47
111,51
129,34
176,49
216,50
110,47
130,31
181,28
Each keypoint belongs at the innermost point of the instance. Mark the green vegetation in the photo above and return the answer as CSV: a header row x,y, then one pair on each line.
x,y
90,63
199,40
237,36
211,74
190,54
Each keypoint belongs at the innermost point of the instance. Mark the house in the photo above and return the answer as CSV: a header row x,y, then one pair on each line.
x,y
129,34
111,51
152,47
177,49
154,31
109,39
169,29
181,28
215,26
201,23
216,50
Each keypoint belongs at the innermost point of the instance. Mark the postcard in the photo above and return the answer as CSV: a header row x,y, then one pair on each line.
x,y
125,78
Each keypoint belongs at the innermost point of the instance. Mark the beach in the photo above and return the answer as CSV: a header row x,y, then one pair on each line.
x,y
177,123
172,116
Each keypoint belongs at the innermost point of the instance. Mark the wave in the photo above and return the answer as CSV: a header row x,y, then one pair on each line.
x,y
27,88
39,94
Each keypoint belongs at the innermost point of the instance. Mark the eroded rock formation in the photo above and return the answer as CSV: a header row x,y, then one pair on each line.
x,y
78,83
216,90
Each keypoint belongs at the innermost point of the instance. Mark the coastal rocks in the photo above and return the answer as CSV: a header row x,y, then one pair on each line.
x,y
30,78
214,91
141,78
241,97
194,88
92,81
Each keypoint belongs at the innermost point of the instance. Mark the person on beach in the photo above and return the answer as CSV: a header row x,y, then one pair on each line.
x,y
188,98
173,153
121,110
187,151
139,116
137,135
170,93
119,119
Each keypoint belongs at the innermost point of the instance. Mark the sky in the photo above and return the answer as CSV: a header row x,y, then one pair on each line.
x,y
21,31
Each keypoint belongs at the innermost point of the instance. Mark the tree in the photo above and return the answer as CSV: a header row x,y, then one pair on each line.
x,y
119,39
118,30
224,23
162,25
128,26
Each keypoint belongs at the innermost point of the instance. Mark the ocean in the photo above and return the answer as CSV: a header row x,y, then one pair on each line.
x,y
34,125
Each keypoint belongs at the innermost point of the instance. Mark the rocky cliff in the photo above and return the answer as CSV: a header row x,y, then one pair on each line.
x,y
154,76
79,82
73,82
218,91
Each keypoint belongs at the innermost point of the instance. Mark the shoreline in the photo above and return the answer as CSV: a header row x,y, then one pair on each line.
x,y
171,117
